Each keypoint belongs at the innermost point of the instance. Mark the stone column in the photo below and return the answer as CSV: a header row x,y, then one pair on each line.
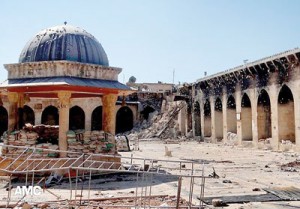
x,y
238,103
109,113
13,99
38,116
64,111
213,119
224,111
88,120
182,120
296,93
274,116
253,98
192,110
201,103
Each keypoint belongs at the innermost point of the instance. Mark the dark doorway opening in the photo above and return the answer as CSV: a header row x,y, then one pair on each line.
x,y
124,120
50,116
97,119
3,120
76,118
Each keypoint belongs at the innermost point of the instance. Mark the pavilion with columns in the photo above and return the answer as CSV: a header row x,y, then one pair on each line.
x,y
61,68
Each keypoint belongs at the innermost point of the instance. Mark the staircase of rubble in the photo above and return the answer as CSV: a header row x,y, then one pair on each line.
x,y
173,114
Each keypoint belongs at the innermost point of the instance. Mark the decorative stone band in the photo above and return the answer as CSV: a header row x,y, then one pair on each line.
x,y
61,68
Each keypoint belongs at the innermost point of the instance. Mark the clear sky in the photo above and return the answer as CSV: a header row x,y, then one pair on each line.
x,y
151,38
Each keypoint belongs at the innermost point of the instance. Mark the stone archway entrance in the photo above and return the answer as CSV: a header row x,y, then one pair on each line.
x,y
3,120
207,119
218,119
97,118
76,118
286,114
231,115
26,115
197,119
246,118
264,116
50,116
124,120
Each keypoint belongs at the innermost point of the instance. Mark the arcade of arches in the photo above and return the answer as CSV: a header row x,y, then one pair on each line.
x,y
257,103
77,119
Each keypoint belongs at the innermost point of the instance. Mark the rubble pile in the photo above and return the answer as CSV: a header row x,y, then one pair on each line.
x,y
95,142
264,144
122,143
162,125
40,136
286,145
152,100
232,139
157,201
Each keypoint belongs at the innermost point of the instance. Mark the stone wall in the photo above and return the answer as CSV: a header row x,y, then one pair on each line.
x,y
246,117
286,120
231,120
207,126
61,68
219,124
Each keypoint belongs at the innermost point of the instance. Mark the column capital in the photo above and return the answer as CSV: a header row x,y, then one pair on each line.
x,y
63,99
110,98
13,97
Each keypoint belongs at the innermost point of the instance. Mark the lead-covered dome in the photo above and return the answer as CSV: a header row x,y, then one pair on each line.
x,y
64,42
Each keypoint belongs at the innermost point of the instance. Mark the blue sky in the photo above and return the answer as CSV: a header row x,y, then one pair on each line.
x,y
150,39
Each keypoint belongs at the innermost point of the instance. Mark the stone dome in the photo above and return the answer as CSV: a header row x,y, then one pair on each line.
x,y
64,42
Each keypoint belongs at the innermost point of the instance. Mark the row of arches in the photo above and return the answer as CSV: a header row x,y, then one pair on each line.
x,y
50,116
286,116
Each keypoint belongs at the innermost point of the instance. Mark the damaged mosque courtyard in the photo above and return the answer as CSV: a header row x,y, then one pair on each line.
x,y
72,131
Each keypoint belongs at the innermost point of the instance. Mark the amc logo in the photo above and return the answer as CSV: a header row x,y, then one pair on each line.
x,y
30,190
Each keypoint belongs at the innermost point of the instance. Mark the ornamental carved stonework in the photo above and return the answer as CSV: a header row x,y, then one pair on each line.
x,y
63,99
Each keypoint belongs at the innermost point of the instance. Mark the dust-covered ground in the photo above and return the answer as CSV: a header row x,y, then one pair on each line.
x,y
241,171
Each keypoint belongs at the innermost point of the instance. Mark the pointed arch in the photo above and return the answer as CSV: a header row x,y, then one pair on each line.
x,y
76,118
286,114
207,119
28,115
97,118
231,115
124,120
246,118
50,116
264,115
218,119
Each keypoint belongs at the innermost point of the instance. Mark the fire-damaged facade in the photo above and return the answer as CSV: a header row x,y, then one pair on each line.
x,y
256,104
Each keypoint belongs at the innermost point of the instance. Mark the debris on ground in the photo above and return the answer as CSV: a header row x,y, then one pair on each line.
x,y
218,203
122,202
214,174
122,143
293,166
162,124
